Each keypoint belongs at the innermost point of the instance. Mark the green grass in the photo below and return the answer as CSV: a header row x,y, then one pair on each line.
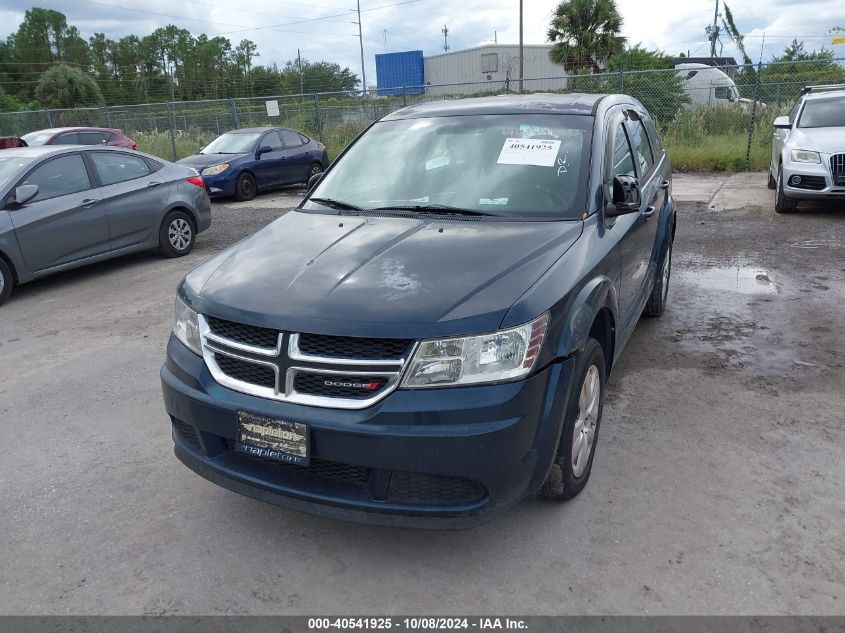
x,y
698,140
724,152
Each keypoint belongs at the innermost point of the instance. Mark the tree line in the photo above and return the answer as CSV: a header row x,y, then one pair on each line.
x,y
587,41
47,63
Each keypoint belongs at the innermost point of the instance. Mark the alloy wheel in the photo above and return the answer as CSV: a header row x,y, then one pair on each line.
x,y
179,234
584,433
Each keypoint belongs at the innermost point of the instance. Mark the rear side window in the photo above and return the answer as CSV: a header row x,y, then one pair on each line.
x,y
640,146
305,139
59,177
654,139
93,138
114,167
291,139
68,138
623,160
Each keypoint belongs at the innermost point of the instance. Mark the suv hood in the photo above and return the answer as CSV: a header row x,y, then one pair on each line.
x,y
378,276
828,140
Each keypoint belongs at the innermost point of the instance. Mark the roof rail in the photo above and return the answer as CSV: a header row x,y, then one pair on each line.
x,y
822,88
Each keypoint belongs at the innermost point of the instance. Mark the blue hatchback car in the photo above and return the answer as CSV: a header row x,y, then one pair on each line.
x,y
243,162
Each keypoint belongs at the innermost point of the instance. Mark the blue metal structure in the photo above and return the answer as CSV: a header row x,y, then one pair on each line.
x,y
400,73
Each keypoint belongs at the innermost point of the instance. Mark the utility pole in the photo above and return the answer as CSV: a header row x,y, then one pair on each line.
x,y
361,42
299,63
521,59
714,31
445,31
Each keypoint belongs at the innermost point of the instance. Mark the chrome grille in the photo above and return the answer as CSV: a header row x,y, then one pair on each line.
x,y
327,371
246,334
353,347
837,168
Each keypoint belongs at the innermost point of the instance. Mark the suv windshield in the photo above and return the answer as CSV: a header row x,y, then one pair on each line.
x,y
231,144
823,113
514,165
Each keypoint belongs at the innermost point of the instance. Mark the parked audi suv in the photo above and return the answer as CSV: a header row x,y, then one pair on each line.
x,y
808,149
426,340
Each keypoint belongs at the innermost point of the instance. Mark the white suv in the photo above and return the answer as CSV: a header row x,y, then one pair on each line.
x,y
808,149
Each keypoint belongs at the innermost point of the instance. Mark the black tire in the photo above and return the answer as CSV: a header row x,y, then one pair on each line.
x,y
245,187
316,168
177,234
771,183
6,281
656,303
782,203
563,483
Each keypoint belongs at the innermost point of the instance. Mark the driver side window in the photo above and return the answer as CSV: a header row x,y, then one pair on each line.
x,y
623,158
273,140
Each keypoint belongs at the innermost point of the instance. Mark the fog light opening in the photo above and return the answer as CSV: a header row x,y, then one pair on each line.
x,y
795,180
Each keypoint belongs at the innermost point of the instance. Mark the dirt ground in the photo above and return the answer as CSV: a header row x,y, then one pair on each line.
x,y
718,485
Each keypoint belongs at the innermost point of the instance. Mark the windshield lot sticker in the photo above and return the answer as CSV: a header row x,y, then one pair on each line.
x,y
496,201
520,151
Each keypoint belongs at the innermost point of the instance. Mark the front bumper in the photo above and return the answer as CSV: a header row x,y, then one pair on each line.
x,y
221,185
817,180
434,458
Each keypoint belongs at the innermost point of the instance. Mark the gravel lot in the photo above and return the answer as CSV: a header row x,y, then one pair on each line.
x,y
718,487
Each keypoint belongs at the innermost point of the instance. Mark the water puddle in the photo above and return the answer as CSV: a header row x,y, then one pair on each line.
x,y
742,279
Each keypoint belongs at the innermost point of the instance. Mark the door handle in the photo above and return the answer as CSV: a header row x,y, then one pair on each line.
x,y
153,184
648,213
88,203
665,184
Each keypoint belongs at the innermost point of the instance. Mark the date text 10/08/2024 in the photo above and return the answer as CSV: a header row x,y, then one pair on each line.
x,y
416,623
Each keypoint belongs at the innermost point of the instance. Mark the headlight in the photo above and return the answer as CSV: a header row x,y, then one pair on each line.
x,y
503,355
186,327
805,156
215,169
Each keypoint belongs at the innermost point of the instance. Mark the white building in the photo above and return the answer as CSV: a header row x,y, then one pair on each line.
x,y
488,67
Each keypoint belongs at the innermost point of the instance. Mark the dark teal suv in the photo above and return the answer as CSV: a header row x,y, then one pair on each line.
x,y
426,340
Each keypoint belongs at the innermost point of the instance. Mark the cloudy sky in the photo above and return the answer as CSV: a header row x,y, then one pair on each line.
x,y
324,29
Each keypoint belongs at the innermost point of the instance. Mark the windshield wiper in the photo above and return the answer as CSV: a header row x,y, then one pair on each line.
x,y
340,205
442,209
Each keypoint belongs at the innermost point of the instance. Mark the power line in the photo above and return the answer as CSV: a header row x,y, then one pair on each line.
x,y
326,17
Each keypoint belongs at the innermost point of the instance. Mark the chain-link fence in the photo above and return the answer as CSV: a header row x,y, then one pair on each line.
x,y
710,118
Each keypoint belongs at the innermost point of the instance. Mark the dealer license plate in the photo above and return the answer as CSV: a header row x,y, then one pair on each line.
x,y
271,438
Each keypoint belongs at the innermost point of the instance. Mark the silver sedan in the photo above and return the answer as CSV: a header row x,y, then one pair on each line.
x,y
68,206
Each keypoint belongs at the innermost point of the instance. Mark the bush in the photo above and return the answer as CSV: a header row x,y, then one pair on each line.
x,y
64,86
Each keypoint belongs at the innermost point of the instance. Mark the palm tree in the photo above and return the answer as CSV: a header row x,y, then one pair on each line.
x,y
585,33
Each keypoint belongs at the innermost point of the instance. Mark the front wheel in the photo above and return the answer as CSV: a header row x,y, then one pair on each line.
x,y
573,461
245,187
6,281
782,203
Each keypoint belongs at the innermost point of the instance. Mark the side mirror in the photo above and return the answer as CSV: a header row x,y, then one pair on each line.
x,y
626,196
25,193
782,123
264,149
313,180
